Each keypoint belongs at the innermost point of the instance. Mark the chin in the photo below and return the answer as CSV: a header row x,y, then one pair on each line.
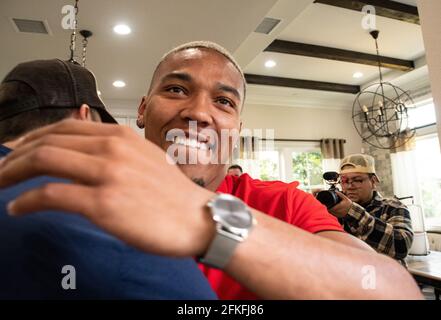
x,y
352,198
194,170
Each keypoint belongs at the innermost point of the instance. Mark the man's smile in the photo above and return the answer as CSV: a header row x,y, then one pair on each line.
x,y
193,143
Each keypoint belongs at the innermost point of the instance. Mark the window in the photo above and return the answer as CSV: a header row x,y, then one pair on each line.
x,y
423,114
428,159
289,161
307,169
268,164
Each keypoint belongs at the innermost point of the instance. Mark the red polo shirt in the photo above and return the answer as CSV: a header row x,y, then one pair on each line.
x,y
280,200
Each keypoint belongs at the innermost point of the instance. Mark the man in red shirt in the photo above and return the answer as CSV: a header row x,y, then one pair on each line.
x,y
235,170
128,186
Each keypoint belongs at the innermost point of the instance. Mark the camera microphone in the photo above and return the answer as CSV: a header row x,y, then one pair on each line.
x,y
329,197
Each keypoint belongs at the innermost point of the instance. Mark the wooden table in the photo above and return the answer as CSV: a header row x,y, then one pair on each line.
x,y
427,270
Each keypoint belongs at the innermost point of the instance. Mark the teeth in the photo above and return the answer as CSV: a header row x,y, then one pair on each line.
x,y
192,143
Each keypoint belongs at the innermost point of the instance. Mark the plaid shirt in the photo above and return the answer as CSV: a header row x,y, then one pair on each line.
x,y
384,224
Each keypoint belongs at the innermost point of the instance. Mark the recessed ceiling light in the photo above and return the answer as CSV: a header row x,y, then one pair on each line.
x,y
270,63
119,84
122,29
357,75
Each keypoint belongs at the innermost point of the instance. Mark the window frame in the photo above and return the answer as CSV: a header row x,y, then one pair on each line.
x,y
285,151
429,132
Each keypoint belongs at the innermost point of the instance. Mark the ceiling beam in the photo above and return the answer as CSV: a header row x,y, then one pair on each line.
x,y
383,8
301,84
309,50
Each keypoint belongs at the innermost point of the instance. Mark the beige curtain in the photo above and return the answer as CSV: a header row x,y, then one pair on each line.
x,y
403,143
333,151
246,154
249,148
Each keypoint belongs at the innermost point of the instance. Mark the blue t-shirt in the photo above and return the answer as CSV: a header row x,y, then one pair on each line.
x,y
35,248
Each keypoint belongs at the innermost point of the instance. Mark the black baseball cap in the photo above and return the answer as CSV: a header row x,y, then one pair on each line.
x,y
57,84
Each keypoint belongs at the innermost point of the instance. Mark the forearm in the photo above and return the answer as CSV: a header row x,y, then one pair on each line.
x,y
279,261
346,239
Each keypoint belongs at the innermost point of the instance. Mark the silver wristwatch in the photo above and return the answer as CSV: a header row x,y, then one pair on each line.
x,y
233,223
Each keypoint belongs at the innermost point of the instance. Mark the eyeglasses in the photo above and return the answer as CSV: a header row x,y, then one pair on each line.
x,y
356,182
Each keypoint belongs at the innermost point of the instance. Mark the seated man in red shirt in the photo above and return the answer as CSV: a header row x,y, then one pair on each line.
x,y
235,170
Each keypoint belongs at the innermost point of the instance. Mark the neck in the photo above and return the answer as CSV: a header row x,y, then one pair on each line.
x,y
208,177
369,201
214,183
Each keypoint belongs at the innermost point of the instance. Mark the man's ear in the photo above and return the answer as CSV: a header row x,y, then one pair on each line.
x,y
374,181
83,113
140,120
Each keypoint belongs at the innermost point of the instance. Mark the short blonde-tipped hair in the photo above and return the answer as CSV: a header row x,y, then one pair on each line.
x,y
204,45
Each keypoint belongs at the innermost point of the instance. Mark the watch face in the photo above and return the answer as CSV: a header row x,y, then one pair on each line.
x,y
240,220
233,213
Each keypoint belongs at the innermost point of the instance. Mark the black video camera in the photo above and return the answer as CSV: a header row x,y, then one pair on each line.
x,y
329,197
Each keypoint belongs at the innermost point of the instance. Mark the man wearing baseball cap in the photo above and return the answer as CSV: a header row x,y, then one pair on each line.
x,y
382,223
60,256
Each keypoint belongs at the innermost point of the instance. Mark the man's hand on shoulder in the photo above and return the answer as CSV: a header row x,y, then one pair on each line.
x,y
120,181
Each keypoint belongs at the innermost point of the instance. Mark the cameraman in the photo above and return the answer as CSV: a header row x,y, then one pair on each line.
x,y
384,224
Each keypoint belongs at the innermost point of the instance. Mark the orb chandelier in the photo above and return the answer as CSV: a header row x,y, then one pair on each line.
x,y
380,112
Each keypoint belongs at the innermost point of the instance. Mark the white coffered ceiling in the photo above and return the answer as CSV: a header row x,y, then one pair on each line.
x,y
159,25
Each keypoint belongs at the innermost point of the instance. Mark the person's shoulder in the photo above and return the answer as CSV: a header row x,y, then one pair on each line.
x,y
149,276
105,267
267,185
287,202
4,151
60,223
286,193
60,235
393,207
393,203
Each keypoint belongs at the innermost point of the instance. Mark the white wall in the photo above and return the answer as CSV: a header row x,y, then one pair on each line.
x,y
125,112
304,123
287,122
429,11
122,107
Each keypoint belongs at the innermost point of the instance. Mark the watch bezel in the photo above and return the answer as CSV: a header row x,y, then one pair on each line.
x,y
224,224
227,236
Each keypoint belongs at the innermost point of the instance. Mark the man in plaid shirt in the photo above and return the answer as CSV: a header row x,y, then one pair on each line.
x,y
382,223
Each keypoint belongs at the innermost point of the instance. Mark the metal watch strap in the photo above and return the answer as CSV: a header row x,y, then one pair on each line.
x,y
221,249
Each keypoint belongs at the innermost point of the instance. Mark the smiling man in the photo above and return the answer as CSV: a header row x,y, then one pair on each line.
x,y
129,187
195,86
384,224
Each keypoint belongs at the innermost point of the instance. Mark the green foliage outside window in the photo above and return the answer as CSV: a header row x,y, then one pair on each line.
x,y
307,169
268,171
431,193
269,166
